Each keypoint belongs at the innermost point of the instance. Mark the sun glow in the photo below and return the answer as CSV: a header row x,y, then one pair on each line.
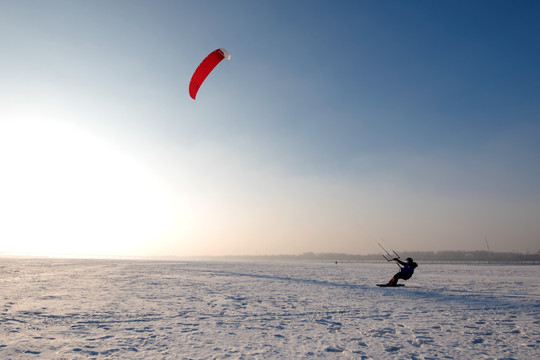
x,y
65,191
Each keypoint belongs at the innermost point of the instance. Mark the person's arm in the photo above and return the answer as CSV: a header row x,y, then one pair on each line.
x,y
400,262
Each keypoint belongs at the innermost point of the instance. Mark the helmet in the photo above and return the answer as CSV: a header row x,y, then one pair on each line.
x,y
409,259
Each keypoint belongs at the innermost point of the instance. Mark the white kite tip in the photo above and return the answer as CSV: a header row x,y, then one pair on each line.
x,y
226,54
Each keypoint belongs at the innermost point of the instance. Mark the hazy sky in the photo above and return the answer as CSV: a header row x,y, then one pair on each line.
x,y
334,125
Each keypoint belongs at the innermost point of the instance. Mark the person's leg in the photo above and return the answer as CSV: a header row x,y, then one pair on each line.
x,y
394,280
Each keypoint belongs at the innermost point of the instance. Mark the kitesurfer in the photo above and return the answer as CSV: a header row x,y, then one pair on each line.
x,y
407,270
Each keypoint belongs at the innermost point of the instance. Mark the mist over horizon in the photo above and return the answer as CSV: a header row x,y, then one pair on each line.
x,y
465,256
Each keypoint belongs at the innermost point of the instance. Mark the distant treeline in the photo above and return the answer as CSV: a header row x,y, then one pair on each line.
x,y
422,256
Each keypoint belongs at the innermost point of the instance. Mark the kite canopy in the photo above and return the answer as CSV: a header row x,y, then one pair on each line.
x,y
205,68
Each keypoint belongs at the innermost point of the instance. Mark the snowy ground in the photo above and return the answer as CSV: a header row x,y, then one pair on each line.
x,y
69,309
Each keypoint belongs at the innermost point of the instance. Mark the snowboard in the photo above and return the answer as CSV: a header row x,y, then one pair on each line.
x,y
385,285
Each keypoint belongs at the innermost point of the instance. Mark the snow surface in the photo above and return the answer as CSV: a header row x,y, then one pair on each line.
x,y
71,309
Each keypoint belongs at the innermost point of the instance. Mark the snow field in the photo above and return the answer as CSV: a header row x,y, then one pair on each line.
x,y
78,309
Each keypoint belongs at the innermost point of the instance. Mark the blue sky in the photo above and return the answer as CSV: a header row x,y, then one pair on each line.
x,y
334,124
